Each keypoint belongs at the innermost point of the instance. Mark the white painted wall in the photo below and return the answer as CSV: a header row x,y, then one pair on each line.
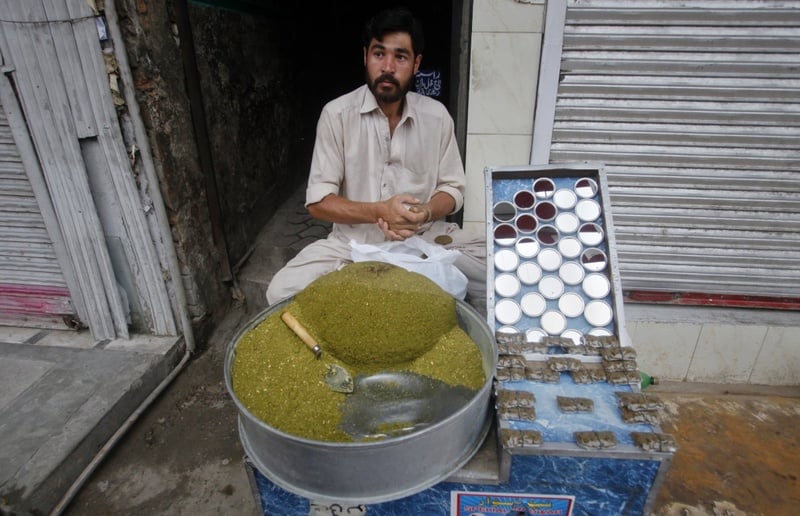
x,y
716,345
504,70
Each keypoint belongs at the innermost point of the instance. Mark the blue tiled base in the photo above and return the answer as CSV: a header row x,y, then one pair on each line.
x,y
599,485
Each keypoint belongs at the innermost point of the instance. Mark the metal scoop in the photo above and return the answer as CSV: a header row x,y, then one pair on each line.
x,y
395,403
336,377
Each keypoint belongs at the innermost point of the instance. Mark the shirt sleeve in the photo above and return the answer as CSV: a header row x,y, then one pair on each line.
x,y
452,179
327,161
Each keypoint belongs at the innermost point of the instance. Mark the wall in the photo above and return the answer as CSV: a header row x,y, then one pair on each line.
x,y
249,81
246,80
504,71
716,345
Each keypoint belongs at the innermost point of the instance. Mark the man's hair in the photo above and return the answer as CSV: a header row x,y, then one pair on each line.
x,y
398,19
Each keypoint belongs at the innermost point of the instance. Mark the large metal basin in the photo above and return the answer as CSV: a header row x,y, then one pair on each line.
x,y
370,472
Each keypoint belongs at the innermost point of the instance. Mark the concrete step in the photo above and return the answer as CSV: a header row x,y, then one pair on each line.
x,y
254,278
63,397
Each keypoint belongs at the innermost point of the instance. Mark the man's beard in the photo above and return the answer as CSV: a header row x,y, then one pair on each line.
x,y
388,97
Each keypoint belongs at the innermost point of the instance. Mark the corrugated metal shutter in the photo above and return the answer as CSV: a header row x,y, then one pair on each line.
x,y
693,108
32,287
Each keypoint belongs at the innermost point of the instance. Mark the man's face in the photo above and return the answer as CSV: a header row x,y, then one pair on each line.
x,y
390,66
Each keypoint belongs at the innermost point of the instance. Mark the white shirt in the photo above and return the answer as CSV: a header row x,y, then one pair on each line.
x,y
356,157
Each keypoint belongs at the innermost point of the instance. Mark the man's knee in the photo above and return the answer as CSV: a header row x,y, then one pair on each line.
x,y
273,292
282,285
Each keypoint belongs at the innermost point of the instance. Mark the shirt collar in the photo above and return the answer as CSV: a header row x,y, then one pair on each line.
x,y
370,104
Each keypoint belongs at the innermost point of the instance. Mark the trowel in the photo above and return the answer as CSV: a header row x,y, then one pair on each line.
x,y
336,377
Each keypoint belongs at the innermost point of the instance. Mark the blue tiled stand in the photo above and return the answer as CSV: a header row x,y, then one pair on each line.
x,y
621,480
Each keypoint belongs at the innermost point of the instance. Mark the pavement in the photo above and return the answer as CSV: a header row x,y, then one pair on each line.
x,y
61,398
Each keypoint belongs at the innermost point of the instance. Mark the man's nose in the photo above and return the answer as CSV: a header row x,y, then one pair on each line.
x,y
388,64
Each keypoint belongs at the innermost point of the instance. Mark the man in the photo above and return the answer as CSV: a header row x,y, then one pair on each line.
x,y
385,165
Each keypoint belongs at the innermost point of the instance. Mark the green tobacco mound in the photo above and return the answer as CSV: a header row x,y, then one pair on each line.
x,y
370,314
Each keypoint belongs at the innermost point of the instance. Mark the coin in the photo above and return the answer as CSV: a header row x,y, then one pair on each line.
x,y
443,239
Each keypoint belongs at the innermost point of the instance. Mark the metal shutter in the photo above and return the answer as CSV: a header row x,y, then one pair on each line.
x,y
693,108
32,288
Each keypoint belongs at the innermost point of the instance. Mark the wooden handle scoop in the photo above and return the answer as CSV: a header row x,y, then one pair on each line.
x,y
301,332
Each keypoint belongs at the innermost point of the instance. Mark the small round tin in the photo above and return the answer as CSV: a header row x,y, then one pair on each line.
x,y
553,322
565,199
574,335
587,210
529,273
598,313
506,260
507,311
596,285
567,222
535,334
526,223
505,234
551,287
590,234
571,304
571,273
586,188
544,188
533,304
527,247
504,211
545,211
547,235
549,259
510,330
506,285
570,247
524,199
594,260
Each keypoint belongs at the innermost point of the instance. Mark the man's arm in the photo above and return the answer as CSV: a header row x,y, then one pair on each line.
x,y
397,211
440,205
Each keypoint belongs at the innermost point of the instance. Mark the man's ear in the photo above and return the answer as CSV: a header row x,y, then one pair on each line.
x,y
417,61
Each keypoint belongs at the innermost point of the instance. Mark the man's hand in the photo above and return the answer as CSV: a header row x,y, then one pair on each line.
x,y
404,215
399,217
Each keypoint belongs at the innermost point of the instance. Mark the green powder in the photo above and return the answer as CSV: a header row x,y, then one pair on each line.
x,y
280,382
376,314
454,359
367,317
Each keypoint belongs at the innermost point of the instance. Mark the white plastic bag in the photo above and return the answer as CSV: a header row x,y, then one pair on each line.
x,y
416,255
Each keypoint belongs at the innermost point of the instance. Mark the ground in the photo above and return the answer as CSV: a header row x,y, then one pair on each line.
x,y
739,454
183,456
739,450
